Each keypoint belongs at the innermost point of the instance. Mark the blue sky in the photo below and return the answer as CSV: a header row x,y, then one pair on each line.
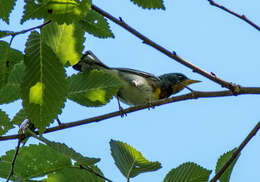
x,y
197,130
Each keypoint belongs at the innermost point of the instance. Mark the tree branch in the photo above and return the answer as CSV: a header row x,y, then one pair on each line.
x,y
189,96
13,34
13,161
242,17
170,54
236,153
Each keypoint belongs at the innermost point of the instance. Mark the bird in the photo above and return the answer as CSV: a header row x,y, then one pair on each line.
x,y
138,87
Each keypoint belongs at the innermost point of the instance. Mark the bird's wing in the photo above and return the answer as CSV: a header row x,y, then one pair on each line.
x,y
137,72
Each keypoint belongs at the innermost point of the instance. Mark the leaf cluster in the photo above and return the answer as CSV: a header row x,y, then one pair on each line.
x,y
55,161
38,77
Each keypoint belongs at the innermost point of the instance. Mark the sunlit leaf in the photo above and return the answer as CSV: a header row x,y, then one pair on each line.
x,y
130,161
66,41
60,11
95,88
44,88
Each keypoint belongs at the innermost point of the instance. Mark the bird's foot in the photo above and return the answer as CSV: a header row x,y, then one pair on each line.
x,y
122,112
150,105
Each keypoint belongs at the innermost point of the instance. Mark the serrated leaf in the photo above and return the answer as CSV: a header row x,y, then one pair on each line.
x,y
221,162
5,124
11,91
65,40
8,58
17,74
5,9
68,175
33,161
44,88
188,172
60,11
69,152
96,25
19,117
130,161
149,4
94,88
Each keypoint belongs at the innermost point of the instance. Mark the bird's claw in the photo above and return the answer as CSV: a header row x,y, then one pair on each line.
x,y
122,112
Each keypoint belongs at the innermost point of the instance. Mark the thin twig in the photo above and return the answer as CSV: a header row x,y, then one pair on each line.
x,y
242,17
95,173
170,54
236,153
13,34
13,161
193,95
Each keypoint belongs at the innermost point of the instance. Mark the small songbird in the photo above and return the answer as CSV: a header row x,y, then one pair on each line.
x,y
138,87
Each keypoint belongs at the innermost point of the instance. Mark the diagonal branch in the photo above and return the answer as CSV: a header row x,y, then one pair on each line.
x,y
13,161
242,17
193,95
236,153
170,54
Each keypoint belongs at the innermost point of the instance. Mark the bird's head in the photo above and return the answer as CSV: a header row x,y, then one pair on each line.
x,y
176,81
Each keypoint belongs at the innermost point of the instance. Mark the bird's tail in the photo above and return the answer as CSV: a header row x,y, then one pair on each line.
x,y
89,62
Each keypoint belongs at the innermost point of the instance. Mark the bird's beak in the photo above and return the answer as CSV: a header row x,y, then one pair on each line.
x,y
188,81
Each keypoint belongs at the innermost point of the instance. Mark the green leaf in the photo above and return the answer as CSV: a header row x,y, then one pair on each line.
x,y
44,88
94,88
8,58
11,91
66,41
150,4
188,172
130,161
5,9
33,161
17,74
221,162
69,152
5,124
5,33
68,175
19,117
60,11
96,25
